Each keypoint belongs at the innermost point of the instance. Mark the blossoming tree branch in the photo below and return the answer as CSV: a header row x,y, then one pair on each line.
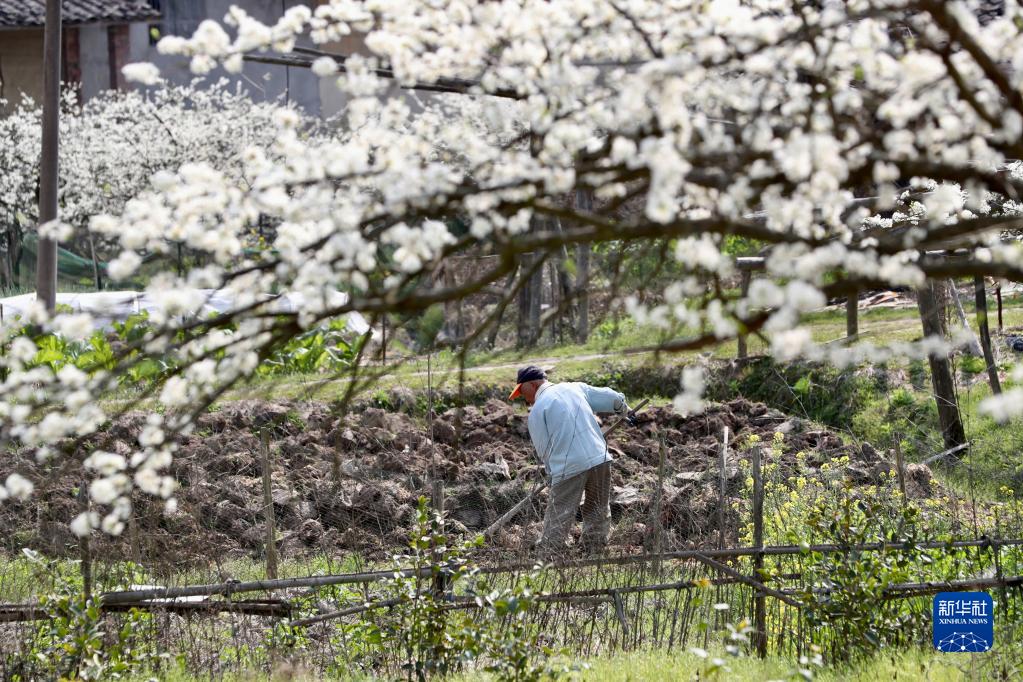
x,y
860,144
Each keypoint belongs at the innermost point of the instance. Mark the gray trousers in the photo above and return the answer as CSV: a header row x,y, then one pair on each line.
x,y
564,501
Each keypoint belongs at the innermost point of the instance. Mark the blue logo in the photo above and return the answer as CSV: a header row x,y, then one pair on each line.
x,y
963,622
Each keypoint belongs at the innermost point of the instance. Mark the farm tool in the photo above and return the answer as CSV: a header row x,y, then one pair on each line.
x,y
511,513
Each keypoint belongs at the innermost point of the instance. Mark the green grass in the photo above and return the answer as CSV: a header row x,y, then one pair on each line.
x,y
622,343
657,665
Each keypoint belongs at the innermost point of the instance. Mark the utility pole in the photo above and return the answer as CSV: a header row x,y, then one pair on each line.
x,y
46,259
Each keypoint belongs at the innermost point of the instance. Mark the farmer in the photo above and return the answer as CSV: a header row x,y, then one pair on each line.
x,y
568,440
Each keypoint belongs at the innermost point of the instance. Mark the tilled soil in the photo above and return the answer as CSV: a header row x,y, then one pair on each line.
x,y
353,484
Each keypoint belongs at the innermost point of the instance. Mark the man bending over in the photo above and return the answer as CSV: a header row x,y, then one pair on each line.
x,y
564,430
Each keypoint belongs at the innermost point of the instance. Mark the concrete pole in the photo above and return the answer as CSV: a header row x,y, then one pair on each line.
x,y
46,260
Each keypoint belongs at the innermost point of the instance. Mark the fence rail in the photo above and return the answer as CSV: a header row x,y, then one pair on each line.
x,y
182,599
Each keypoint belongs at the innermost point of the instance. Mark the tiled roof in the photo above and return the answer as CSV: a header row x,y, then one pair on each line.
x,y
17,13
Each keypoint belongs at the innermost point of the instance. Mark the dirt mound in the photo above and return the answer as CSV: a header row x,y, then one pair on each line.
x,y
352,484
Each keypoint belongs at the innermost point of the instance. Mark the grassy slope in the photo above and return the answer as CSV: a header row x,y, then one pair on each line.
x,y
878,326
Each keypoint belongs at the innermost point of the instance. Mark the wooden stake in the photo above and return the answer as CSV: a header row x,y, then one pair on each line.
x,y
658,503
722,474
852,315
620,612
759,600
268,507
83,545
900,469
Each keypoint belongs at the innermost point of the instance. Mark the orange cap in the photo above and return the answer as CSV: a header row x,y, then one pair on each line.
x,y
516,393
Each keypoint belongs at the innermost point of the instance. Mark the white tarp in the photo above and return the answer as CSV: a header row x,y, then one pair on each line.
x,y
107,307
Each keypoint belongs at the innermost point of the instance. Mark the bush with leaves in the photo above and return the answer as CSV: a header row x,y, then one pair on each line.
x,y
846,591
437,616
76,641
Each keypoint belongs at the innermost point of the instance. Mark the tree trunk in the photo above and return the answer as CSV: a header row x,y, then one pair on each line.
x,y
524,299
584,201
552,272
501,307
535,303
7,263
932,299
561,291
980,294
998,297
973,348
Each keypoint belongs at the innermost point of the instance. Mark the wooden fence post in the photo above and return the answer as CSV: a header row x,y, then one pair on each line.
x,y
759,599
722,499
268,506
658,503
83,544
852,315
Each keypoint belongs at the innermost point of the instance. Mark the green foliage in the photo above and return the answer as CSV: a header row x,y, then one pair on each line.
x,y
323,349
428,326
813,391
611,328
76,641
971,364
420,633
847,590
904,415
736,245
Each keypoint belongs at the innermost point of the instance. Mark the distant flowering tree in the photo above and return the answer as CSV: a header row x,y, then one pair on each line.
x,y
860,144
118,144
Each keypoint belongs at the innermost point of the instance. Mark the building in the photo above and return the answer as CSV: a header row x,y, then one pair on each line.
x,y
97,42
101,36
263,82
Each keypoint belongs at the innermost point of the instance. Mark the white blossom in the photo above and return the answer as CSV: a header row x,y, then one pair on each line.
x,y
81,526
18,487
324,66
142,72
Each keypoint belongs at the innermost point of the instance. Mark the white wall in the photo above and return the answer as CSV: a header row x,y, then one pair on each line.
x,y
262,81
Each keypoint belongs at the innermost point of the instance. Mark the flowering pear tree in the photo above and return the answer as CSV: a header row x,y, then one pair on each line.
x,y
114,145
861,144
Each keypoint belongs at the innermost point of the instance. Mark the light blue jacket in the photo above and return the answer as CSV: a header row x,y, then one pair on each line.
x,y
564,429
